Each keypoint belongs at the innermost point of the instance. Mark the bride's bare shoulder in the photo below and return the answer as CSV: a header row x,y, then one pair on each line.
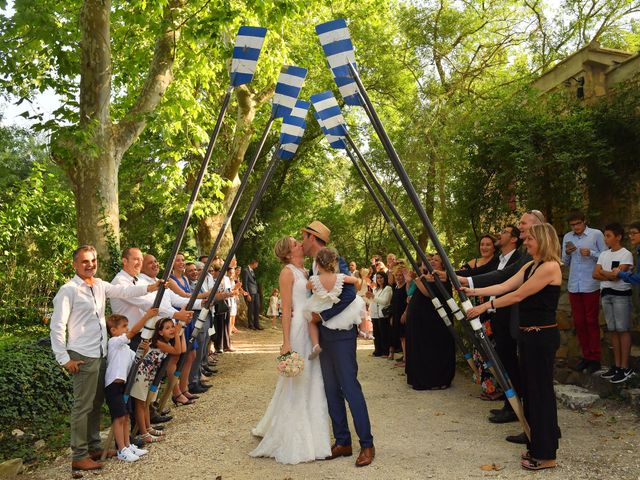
x,y
286,274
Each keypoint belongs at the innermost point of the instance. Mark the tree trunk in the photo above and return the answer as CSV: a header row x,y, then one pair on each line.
x,y
429,198
95,187
208,227
90,152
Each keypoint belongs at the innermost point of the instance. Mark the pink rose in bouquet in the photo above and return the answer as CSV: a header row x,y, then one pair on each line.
x,y
290,364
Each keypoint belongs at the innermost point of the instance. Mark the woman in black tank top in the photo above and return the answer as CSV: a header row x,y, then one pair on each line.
x,y
536,287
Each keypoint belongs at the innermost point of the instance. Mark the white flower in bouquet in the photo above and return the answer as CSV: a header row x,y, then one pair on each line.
x,y
290,364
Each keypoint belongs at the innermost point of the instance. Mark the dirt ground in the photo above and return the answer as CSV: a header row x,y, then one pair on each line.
x,y
435,434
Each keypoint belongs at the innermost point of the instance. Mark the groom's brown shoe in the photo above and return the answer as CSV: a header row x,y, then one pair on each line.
x,y
366,456
340,451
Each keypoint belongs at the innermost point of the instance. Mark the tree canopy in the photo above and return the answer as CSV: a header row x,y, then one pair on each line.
x,y
140,84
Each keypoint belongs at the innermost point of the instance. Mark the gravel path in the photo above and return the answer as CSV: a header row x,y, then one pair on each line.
x,y
436,434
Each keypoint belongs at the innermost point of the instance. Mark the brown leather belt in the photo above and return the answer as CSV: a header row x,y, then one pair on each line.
x,y
537,328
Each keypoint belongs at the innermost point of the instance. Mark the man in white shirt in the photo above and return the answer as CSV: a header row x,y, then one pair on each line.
x,y
135,308
79,342
352,268
503,333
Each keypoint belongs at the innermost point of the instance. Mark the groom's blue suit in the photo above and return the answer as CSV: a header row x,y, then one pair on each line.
x,y
340,373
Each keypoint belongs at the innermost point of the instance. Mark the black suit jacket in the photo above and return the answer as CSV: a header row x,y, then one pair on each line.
x,y
249,281
507,314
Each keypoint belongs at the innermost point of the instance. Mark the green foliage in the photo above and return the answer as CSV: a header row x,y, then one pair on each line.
x,y
36,397
552,154
37,236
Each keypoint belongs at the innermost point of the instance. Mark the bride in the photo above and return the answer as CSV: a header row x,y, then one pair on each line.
x,y
295,427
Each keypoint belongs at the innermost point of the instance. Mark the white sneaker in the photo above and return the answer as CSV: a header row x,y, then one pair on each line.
x,y
127,455
137,451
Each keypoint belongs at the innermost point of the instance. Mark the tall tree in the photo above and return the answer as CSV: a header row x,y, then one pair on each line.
x,y
43,49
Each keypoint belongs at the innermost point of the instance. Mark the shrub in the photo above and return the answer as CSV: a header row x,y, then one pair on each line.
x,y
35,394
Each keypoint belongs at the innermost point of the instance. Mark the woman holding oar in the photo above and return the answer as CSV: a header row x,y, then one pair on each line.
x,y
536,287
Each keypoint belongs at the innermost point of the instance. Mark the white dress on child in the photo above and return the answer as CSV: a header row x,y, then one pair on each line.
x,y
295,427
323,299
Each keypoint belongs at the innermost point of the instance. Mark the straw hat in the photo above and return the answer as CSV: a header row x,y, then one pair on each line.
x,y
318,229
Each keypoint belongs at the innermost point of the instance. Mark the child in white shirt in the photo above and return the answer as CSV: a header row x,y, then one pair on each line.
x,y
120,358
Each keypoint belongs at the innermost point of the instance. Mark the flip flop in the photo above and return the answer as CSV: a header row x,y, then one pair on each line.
x,y
534,464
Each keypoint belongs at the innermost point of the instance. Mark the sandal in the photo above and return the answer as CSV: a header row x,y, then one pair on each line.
x,y
525,455
177,403
535,464
148,438
156,433
491,397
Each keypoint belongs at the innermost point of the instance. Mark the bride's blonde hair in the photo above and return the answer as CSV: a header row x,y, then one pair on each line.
x,y
282,249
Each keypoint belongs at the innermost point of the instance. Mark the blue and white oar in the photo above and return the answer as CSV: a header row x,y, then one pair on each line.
x,y
293,126
328,113
336,42
287,90
246,51
332,36
247,48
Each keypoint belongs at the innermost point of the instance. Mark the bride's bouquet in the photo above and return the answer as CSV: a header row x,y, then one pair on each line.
x,y
290,364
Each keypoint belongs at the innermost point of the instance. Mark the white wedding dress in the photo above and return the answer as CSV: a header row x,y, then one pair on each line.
x,y
295,427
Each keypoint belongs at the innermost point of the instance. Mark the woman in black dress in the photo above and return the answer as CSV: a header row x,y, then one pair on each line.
x,y
537,288
430,356
398,307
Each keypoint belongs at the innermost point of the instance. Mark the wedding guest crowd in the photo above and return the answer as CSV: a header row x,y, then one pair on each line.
x,y
514,281
516,290
100,352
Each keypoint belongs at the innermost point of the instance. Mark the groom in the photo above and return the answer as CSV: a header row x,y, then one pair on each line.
x,y
338,362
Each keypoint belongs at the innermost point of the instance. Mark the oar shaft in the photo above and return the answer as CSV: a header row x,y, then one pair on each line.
x,y
178,241
194,195
434,299
232,209
501,376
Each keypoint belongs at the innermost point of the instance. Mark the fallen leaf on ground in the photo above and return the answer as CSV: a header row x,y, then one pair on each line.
x,y
491,467
597,413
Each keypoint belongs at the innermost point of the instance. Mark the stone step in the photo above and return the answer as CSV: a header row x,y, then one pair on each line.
x,y
593,382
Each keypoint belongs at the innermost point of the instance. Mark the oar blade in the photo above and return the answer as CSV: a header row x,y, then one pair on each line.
x,y
338,49
287,90
330,119
246,51
293,126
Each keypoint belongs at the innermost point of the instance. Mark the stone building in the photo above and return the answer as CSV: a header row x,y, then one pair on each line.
x,y
590,75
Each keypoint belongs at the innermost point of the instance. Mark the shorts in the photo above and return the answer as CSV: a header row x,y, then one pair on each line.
x,y
114,395
617,312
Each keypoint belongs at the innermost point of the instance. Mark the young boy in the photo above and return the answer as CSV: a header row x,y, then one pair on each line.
x,y
616,300
629,276
120,358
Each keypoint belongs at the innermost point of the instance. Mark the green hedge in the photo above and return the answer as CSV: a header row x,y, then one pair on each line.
x,y
35,397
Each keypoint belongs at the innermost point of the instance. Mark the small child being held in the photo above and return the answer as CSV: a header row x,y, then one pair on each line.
x,y
120,359
327,287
